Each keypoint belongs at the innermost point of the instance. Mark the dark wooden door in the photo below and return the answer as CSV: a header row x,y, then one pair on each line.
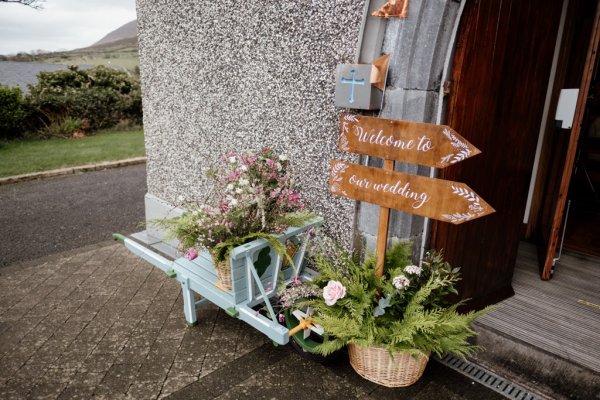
x,y
499,81
577,67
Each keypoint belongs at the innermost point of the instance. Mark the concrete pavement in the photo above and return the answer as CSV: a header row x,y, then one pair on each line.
x,y
98,322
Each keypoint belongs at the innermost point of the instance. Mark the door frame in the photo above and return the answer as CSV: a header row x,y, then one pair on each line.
x,y
547,262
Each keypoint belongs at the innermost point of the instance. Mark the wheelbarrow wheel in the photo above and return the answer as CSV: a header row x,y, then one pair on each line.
x,y
306,347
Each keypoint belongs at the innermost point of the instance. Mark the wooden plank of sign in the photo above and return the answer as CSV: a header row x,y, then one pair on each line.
x,y
382,230
414,142
448,201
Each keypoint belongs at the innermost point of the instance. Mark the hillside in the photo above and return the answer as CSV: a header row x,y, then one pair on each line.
x,y
127,31
118,49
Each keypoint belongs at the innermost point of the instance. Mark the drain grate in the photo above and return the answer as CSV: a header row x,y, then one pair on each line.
x,y
488,379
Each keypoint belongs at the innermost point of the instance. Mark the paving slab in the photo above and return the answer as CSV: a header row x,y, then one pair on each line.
x,y
101,323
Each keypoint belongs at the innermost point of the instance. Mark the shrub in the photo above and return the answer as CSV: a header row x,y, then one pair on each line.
x,y
406,309
63,128
12,112
101,96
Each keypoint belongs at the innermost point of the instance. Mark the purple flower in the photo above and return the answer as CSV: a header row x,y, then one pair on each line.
x,y
281,318
191,254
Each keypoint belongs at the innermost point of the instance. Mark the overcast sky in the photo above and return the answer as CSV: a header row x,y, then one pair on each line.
x,y
62,24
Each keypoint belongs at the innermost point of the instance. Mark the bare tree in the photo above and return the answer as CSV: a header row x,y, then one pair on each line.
x,y
35,4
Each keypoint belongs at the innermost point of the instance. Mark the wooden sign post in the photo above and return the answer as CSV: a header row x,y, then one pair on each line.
x,y
438,199
418,143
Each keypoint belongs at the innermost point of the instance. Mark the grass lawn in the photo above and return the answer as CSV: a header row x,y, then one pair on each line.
x,y
24,156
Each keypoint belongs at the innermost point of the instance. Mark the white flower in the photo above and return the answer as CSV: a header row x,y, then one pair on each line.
x,y
278,166
244,182
232,159
283,157
238,190
230,187
180,199
401,282
233,202
413,269
244,168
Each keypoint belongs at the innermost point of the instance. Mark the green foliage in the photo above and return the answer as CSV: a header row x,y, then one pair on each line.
x,y
186,229
263,261
12,112
404,310
63,127
100,96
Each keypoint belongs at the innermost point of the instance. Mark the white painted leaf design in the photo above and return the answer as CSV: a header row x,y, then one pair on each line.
x,y
470,196
338,169
446,159
458,217
344,143
456,142
460,156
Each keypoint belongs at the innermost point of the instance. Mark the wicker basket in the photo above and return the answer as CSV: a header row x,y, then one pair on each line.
x,y
223,273
377,365
291,249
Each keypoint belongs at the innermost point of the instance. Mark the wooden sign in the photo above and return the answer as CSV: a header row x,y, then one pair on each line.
x,y
438,199
391,139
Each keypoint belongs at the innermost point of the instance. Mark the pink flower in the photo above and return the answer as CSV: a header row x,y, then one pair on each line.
x,y
281,318
296,280
191,254
333,292
274,193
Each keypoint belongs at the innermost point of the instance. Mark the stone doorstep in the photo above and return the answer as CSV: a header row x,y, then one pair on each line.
x,y
545,374
72,170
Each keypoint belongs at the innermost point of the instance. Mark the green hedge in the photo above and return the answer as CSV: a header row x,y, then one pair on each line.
x,y
100,98
12,112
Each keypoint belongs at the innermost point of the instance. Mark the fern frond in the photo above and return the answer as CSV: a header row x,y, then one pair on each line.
x,y
298,218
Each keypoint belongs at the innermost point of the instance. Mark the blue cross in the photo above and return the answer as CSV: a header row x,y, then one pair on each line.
x,y
352,81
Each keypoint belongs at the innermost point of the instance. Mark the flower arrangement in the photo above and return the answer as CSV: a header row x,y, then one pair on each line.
x,y
255,198
405,310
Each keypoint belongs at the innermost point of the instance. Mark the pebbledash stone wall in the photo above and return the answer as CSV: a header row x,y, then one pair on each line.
x,y
222,75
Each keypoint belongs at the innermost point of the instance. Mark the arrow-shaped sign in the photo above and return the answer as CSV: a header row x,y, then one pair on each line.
x,y
438,199
414,142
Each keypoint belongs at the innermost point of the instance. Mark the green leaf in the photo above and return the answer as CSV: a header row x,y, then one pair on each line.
x,y
263,261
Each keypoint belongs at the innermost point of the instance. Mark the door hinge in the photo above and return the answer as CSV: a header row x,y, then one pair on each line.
x,y
447,87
